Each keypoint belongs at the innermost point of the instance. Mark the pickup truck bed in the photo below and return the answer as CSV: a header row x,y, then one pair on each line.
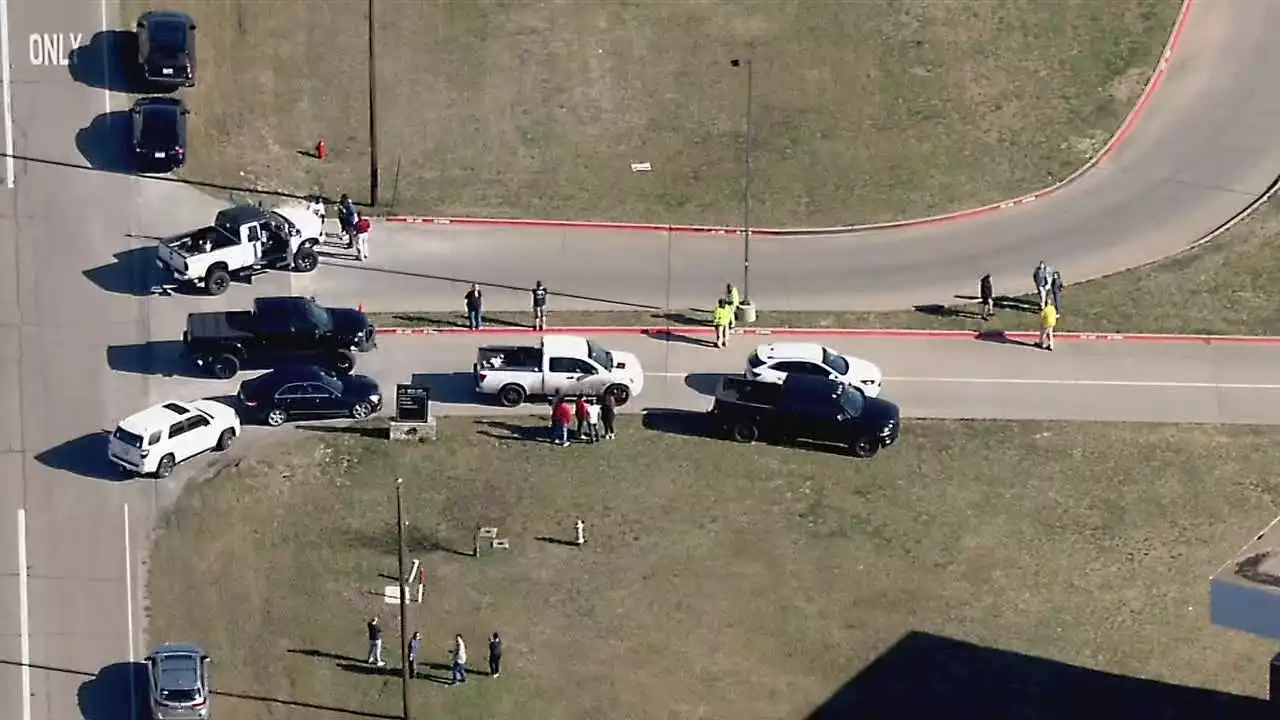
x,y
197,241
228,325
509,357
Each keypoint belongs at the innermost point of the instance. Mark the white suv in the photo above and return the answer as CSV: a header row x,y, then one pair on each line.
x,y
153,441
772,363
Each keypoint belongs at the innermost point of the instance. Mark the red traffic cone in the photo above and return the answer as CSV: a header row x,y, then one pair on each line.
x,y
321,151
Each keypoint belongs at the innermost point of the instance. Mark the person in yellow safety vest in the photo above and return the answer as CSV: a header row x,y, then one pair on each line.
x,y
734,299
722,317
1048,320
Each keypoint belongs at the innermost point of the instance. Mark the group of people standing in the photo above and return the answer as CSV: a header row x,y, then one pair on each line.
x,y
474,303
596,419
353,226
1048,284
457,653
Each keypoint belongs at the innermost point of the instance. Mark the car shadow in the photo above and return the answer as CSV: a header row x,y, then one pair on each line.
x,y
117,692
158,357
109,61
455,388
676,422
374,432
105,143
85,456
704,383
134,273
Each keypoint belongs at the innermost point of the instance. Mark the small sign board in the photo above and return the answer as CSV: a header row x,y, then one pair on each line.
x,y
413,403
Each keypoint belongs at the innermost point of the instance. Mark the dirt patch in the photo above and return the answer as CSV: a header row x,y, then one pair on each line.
x,y
718,580
863,111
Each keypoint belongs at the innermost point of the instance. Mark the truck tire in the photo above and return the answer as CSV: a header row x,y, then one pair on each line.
x,y
511,395
343,363
745,431
621,394
224,367
864,447
306,259
217,280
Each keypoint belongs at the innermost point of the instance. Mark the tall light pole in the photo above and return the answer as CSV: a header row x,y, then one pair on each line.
x,y
404,606
375,173
746,189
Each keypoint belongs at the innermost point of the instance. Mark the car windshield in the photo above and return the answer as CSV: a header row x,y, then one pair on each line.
x,y
286,222
179,695
329,381
128,438
835,361
320,316
599,355
852,400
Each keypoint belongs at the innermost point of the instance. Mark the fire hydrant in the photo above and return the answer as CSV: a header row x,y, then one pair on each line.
x,y
321,151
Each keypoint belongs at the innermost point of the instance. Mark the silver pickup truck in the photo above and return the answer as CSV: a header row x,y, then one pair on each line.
x,y
242,240
558,365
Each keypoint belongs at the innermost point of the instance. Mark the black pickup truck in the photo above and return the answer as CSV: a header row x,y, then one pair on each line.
x,y
277,331
805,407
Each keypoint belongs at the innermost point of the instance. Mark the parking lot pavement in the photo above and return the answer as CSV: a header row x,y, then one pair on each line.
x,y
947,378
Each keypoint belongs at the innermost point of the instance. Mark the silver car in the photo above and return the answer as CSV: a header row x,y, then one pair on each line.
x,y
179,680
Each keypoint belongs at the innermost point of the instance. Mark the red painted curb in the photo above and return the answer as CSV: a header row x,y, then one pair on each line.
x,y
1131,120
843,332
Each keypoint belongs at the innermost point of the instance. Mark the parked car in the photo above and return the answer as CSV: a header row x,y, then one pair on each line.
x,y
277,332
159,134
558,365
804,407
167,48
178,675
308,392
773,362
155,440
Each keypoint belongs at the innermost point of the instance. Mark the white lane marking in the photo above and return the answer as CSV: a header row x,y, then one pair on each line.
x,y
24,622
1053,381
8,100
106,61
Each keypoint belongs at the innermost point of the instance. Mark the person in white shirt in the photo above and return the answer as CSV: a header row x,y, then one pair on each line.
x,y
593,421
459,653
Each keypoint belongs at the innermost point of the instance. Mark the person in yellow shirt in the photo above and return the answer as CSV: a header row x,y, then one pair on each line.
x,y
734,299
721,318
1048,320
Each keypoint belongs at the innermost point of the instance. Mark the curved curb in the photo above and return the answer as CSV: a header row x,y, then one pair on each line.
x,y
1153,83
986,335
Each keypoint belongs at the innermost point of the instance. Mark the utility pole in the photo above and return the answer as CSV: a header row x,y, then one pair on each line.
x,y
375,181
746,197
404,604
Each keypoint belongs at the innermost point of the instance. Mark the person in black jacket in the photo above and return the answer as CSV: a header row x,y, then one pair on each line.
x,y
988,296
495,656
539,294
475,307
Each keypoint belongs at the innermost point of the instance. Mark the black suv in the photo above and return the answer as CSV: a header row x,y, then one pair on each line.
x,y
278,331
159,134
805,407
167,48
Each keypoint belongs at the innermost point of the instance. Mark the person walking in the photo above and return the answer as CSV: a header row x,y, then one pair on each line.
x,y
734,299
721,318
539,296
347,217
1040,276
580,414
561,416
375,643
414,641
495,656
459,653
593,421
988,296
474,300
361,229
608,415
1055,290
1048,321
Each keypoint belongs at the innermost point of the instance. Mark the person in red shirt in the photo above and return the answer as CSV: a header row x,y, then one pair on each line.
x,y
561,416
580,413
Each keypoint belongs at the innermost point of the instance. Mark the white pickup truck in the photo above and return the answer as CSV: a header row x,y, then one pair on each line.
x,y
242,240
558,365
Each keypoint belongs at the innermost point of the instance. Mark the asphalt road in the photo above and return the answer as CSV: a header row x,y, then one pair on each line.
x,y
81,343
1080,380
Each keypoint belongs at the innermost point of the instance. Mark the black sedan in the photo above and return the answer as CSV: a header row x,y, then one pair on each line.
x,y
167,48
307,392
159,134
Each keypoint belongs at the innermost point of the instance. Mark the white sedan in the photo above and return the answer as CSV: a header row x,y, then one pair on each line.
x,y
772,362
